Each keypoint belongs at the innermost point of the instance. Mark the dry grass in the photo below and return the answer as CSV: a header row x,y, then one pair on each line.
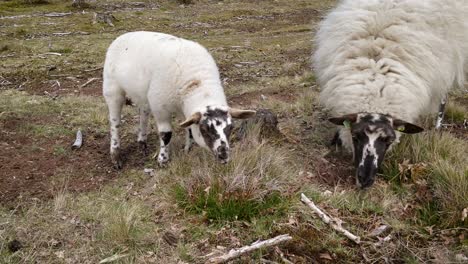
x,y
258,178
195,205
439,160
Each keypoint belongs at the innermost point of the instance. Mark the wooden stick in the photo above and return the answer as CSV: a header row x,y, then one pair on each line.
x,y
78,140
88,82
53,14
334,223
95,69
113,258
235,253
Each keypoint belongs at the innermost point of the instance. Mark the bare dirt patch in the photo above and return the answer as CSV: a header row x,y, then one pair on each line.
x,y
39,167
252,98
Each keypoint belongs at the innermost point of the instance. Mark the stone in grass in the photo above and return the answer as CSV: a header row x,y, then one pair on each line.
x,y
170,238
14,245
265,118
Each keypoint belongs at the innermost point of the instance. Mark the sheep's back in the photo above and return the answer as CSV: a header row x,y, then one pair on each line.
x,y
409,48
140,60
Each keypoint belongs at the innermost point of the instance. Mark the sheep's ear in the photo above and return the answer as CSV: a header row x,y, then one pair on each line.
x,y
406,127
194,119
344,120
241,114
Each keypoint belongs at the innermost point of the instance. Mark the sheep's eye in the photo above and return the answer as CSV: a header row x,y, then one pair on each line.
x,y
387,140
227,130
204,127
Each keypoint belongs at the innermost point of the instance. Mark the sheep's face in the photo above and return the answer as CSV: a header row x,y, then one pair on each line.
x,y
212,129
372,136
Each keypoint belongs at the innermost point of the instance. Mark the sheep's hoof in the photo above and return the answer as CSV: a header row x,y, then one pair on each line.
x,y
117,159
143,147
163,159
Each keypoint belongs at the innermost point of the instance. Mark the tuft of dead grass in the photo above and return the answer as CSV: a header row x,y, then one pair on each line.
x,y
257,178
443,160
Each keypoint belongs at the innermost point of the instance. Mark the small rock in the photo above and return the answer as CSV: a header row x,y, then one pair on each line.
x,y
170,238
379,230
461,258
14,245
267,120
148,171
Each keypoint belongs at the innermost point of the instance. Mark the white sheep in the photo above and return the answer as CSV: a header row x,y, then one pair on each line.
x,y
168,75
383,64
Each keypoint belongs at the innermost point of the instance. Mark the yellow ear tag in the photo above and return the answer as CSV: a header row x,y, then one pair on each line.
x,y
401,128
347,124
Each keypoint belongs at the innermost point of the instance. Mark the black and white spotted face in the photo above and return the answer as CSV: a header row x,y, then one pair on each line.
x,y
212,127
215,128
372,135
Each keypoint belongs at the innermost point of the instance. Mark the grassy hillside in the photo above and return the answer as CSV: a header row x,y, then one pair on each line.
x,y
59,205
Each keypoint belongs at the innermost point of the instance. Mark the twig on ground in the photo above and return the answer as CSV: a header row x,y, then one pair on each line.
x,y
78,140
61,33
334,223
113,258
57,14
383,240
8,55
52,96
49,53
379,230
95,69
88,82
235,253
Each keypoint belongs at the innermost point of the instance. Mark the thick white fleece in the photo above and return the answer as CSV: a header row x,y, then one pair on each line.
x,y
395,57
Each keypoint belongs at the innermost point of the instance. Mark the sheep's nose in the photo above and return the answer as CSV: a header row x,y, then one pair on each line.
x,y
222,153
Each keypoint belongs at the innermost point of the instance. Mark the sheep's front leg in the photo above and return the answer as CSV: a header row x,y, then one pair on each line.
x,y
163,122
143,129
440,114
165,139
188,140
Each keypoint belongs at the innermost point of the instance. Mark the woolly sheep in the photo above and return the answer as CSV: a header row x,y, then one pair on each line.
x,y
382,65
168,75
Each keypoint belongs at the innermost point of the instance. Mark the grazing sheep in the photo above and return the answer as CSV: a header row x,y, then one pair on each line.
x,y
168,75
382,65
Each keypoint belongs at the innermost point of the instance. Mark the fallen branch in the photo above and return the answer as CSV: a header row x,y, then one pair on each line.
x,y
61,33
49,53
57,14
113,258
88,82
334,223
78,140
235,253
8,55
95,69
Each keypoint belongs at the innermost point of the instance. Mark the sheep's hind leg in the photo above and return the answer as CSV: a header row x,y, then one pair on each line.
x,y
143,129
188,140
115,100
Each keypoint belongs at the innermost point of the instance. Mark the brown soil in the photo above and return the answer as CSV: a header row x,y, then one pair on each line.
x,y
31,167
67,87
252,98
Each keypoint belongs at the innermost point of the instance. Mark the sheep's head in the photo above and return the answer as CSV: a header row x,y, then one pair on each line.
x,y
372,135
212,127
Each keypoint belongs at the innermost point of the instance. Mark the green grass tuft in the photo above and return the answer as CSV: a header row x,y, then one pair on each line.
x,y
441,160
